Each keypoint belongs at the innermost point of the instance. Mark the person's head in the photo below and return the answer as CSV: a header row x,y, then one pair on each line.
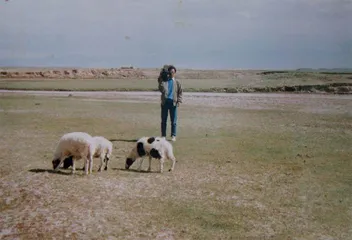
x,y
172,71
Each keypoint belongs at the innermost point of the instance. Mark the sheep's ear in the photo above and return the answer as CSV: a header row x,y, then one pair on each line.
x,y
151,140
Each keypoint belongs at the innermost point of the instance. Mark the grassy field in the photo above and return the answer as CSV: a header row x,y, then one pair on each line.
x,y
243,79
279,172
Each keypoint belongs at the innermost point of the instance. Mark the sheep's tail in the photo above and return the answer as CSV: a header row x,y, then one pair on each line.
x,y
110,149
108,153
171,155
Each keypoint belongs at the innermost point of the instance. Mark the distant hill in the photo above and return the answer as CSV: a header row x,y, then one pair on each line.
x,y
326,70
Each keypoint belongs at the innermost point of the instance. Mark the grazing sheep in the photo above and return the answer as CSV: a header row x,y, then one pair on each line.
x,y
103,150
78,145
154,147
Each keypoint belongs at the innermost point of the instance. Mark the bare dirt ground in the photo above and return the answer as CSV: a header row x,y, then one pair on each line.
x,y
311,102
250,166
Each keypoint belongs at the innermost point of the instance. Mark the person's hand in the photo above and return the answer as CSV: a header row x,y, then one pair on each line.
x,y
177,104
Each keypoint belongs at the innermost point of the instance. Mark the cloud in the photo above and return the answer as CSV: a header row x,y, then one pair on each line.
x,y
229,33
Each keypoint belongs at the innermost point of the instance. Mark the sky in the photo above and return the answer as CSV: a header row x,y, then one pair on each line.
x,y
207,34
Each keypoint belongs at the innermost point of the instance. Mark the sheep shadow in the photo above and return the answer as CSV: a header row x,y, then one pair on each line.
x,y
123,140
134,170
38,170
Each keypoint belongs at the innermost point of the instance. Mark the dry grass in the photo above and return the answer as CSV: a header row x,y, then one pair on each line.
x,y
239,79
280,172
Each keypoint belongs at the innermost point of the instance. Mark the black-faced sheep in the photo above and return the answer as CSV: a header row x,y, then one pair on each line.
x,y
153,147
78,145
103,150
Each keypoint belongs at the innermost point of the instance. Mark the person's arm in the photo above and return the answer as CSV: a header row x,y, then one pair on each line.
x,y
179,92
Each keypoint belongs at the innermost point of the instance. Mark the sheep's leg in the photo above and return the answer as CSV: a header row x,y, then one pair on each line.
x,y
140,164
173,164
161,165
101,163
73,166
106,163
90,164
150,164
86,165
61,161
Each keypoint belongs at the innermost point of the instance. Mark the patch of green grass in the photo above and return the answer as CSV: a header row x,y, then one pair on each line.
x,y
241,173
292,78
107,84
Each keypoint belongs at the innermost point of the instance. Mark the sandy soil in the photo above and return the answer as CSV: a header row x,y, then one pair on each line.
x,y
302,102
42,205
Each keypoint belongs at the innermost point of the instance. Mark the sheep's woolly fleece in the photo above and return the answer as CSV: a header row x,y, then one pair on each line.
x,y
153,147
78,145
103,150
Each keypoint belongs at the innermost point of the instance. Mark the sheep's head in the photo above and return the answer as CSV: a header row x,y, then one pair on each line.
x,y
136,152
129,162
56,163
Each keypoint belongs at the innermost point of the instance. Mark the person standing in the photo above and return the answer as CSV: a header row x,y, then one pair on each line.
x,y
171,98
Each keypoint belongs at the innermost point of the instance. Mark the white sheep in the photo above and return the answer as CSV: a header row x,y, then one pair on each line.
x,y
78,145
154,147
103,150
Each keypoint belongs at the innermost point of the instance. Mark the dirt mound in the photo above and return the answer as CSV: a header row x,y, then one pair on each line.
x,y
334,88
115,73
